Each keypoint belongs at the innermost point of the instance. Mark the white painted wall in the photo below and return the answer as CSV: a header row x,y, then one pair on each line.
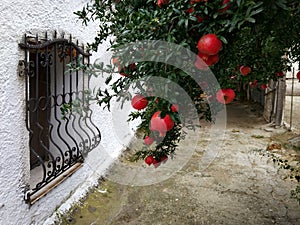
x,y
290,83
16,19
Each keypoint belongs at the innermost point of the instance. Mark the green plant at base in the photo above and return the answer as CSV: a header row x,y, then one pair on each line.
x,y
294,171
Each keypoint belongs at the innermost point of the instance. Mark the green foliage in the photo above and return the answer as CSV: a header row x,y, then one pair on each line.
x,y
254,33
294,170
296,194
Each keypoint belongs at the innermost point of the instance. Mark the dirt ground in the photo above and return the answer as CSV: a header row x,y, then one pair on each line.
x,y
241,186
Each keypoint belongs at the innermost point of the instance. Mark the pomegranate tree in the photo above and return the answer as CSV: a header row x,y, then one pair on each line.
x,y
223,33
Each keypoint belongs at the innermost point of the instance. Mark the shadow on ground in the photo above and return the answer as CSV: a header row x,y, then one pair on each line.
x,y
239,187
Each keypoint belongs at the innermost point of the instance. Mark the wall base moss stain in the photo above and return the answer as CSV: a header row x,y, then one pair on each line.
x,y
101,204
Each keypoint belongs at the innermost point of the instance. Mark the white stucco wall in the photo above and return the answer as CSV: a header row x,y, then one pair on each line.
x,y
16,19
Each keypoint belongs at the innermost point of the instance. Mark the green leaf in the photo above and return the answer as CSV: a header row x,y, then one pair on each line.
x,y
251,20
186,23
108,79
256,11
223,39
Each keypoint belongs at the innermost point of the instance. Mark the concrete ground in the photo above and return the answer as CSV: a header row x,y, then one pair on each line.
x,y
241,186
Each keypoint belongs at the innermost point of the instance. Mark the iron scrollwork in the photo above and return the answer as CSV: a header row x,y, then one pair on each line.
x,y
56,143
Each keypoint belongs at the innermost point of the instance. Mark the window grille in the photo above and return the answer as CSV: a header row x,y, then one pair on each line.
x,y
58,116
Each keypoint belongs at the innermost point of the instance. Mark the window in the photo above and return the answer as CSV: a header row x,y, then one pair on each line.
x,y
58,117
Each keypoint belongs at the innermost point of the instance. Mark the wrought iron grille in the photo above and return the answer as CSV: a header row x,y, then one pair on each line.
x,y
58,116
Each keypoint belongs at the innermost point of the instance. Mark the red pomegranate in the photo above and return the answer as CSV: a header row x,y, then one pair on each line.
x,y
174,108
123,70
156,163
148,140
164,158
139,102
204,60
209,59
263,86
200,19
160,3
280,74
191,10
298,76
253,83
245,70
115,61
225,95
162,125
149,160
227,6
200,64
209,44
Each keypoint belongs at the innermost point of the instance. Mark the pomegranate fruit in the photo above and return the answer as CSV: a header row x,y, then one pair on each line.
x,y
139,102
263,86
298,76
160,3
199,19
148,140
125,69
121,70
200,64
209,44
174,108
227,6
253,83
225,95
162,125
156,163
209,59
245,70
149,160
190,10
115,61
164,158
204,60
280,74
